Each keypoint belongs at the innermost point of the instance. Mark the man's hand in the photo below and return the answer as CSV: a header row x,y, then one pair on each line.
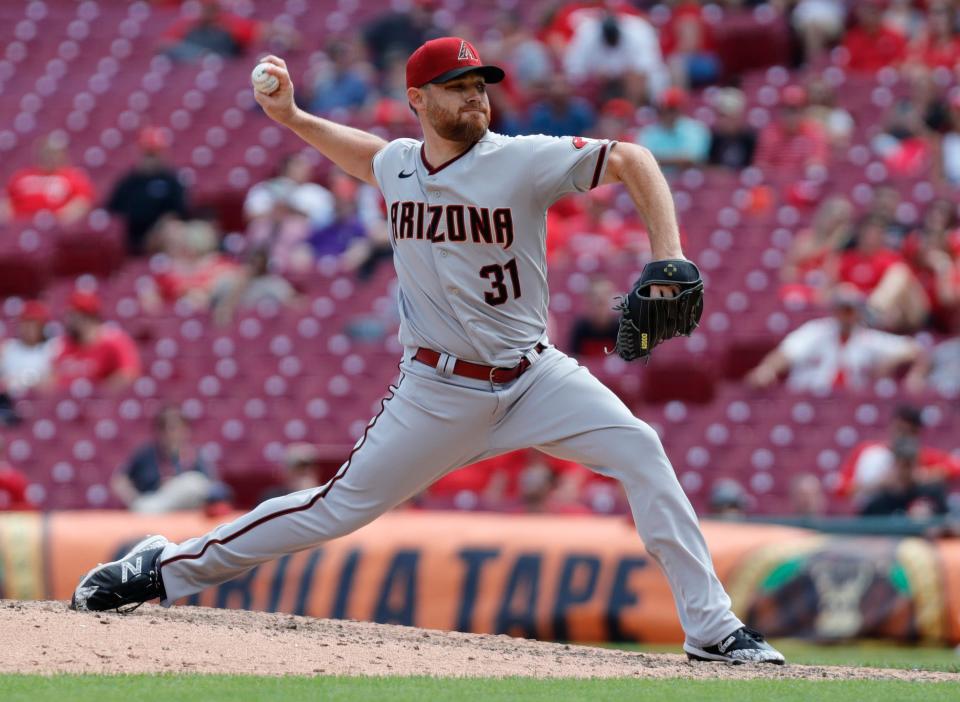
x,y
279,105
666,301
761,377
664,291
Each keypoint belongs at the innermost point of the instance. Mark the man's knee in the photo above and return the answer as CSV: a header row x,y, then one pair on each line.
x,y
638,451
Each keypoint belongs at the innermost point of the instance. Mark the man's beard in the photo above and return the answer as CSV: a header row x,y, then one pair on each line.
x,y
452,128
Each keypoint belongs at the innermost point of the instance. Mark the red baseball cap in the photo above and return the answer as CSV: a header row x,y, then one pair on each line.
x,y
673,98
618,108
85,302
35,311
440,60
793,96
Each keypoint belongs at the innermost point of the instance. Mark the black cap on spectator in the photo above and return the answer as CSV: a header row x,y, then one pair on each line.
x,y
909,414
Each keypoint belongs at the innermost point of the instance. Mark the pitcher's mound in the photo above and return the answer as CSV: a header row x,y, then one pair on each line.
x,y
47,637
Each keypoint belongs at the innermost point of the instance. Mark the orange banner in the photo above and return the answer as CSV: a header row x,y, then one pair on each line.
x,y
548,577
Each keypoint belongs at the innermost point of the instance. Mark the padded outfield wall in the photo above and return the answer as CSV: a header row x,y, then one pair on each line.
x,y
567,578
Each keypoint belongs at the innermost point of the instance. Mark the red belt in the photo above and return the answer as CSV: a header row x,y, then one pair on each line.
x,y
478,371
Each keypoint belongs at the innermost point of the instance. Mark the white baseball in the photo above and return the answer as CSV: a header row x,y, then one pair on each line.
x,y
262,81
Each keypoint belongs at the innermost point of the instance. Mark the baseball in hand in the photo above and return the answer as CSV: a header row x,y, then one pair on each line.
x,y
262,81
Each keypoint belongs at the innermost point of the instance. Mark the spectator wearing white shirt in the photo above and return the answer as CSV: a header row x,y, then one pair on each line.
x,y
837,351
948,164
819,23
621,51
26,361
291,188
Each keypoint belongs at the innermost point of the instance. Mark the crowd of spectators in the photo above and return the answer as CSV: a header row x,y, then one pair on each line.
x,y
596,69
87,350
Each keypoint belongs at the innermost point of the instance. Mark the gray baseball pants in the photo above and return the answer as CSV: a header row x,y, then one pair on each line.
x,y
430,425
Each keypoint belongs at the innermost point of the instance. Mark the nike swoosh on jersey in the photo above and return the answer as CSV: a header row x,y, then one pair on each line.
x,y
406,175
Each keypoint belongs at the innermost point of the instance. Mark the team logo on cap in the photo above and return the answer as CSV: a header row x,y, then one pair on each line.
x,y
579,142
466,53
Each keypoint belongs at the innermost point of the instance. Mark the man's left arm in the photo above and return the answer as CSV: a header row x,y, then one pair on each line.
x,y
635,167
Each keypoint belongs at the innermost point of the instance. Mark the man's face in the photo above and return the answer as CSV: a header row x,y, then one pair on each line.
x,y
298,169
847,315
868,16
669,115
792,116
174,432
31,331
458,110
79,325
51,156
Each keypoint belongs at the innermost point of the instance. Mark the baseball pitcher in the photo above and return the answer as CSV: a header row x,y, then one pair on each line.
x,y
479,377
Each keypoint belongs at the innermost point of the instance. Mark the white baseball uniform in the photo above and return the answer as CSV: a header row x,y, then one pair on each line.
x,y
469,249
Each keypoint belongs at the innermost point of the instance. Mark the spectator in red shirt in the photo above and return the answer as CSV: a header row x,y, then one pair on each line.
x,y
189,268
563,23
907,491
866,262
13,487
903,144
792,142
519,481
52,185
688,45
939,44
870,45
470,487
100,352
897,298
803,275
870,464
937,276
593,226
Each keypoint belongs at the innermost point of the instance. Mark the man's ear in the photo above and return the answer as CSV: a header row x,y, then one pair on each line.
x,y
415,98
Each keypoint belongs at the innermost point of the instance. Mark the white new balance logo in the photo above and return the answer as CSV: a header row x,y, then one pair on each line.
x,y
726,644
127,568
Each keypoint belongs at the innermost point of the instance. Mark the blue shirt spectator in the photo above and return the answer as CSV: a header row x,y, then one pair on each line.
x,y
560,113
675,139
166,475
341,82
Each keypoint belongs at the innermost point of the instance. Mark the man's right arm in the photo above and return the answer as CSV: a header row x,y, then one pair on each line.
x,y
350,149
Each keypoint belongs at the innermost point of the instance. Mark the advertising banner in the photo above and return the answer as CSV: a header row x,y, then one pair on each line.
x,y
547,577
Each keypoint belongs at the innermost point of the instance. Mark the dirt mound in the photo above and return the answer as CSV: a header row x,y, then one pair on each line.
x,y
49,638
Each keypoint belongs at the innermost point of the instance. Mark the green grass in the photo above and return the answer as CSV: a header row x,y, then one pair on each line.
x,y
241,689
867,654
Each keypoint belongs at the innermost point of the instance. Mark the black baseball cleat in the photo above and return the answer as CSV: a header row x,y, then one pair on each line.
x,y
132,580
742,646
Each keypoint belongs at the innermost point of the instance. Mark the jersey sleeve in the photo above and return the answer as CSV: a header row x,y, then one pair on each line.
x,y
563,165
389,154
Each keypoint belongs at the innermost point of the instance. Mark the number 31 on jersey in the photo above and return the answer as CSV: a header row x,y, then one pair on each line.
x,y
497,275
